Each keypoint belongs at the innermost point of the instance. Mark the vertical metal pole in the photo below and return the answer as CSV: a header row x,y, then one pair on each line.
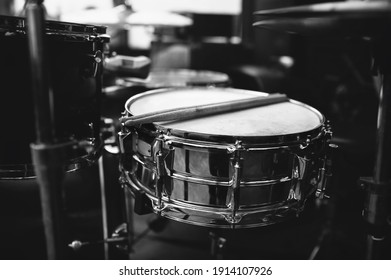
x,y
104,207
377,202
129,219
43,97
383,152
47,156
247,29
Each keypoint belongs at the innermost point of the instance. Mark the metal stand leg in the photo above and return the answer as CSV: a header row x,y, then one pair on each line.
x,y
376,211
129,219
104,207
217,245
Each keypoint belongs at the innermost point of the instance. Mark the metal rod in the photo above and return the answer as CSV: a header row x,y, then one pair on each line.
x,y
43,97
46,154
129,219
376,208
383,151
104,207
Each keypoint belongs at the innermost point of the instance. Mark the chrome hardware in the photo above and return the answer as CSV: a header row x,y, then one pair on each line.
x,y
160,171
325,173
122,135
223,182
196,144
109,135
237,162
77,244
98,58
300,167
217,245
306,143
143,147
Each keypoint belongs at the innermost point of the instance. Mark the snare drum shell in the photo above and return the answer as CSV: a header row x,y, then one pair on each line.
x,y
277,171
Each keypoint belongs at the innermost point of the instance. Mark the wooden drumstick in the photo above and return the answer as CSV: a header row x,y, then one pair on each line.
x,y
204,110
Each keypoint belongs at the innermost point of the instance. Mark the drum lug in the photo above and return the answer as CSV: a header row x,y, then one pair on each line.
x,y
161,174
98,58
109,135
237,164
328,131
305,143
122,135
325,173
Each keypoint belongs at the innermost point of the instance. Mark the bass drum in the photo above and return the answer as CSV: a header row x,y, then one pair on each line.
x,y
74,52
240,169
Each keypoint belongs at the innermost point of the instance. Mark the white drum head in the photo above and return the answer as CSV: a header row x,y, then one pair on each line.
x,y
272,120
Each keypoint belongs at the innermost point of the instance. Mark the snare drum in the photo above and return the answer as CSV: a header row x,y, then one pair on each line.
x,y
240,169
74,52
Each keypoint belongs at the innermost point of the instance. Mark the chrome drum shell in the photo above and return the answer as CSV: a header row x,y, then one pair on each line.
x,y
223,181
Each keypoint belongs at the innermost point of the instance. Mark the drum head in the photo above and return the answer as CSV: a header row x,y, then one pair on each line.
x,y
285,118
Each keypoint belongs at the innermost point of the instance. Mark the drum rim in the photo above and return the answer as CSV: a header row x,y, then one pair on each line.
x,y
18,25
266,139
27,170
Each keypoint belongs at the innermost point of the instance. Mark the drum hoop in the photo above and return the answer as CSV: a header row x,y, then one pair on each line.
x,y
253,141
75,30
27,171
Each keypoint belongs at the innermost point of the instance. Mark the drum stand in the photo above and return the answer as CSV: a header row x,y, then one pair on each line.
x,y
217,245
377,205
47,155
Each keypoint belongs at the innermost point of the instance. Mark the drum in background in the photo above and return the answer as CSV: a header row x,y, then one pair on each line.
x,y
74,53
178,78
241,169
126,87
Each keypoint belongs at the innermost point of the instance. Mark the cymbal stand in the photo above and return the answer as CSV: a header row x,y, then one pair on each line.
x,y
377,205
217,245
47,155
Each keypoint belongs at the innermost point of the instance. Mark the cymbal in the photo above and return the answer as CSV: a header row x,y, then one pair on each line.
x,y
158,19
331,19
362,9
327,26
123,17
114,17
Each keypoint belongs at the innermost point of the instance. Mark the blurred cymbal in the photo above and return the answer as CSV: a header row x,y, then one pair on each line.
x,y
124,17
331,26
114,17
331,19
361,9
158,19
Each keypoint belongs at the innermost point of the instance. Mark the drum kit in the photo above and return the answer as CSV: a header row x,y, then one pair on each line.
x,y
241,167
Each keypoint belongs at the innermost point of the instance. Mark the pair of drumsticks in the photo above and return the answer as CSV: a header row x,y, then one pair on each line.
x,y
204,110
